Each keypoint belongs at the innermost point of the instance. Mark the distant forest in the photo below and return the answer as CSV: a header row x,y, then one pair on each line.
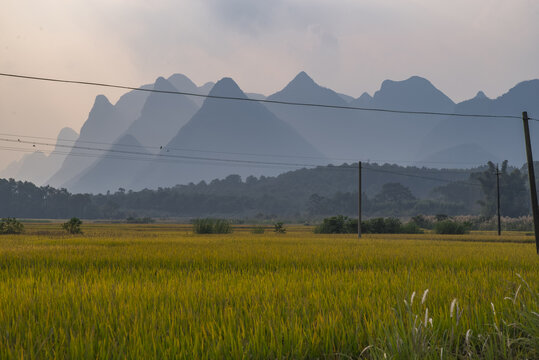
x,y
306,194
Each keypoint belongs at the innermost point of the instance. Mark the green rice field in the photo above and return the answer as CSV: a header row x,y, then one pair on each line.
x,y
159,291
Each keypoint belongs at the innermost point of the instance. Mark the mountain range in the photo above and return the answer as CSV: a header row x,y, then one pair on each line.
x,y
155,139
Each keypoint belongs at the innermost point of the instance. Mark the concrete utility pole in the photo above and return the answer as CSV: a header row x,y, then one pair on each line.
x,y
531,177
498,190
359,201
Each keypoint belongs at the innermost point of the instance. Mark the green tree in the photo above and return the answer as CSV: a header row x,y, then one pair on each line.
x,y
73,226
279,227
514,200
396,193
11,226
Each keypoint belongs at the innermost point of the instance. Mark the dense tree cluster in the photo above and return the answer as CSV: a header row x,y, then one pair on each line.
x,y
300,194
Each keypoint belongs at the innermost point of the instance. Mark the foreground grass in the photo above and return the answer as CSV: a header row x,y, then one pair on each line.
x,y
158,291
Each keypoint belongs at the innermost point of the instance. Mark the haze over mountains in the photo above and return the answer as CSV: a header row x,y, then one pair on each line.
x,y
225,129
37,167
153,139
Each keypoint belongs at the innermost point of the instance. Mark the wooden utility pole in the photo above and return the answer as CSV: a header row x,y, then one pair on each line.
x,y
498,191
531,177
359,200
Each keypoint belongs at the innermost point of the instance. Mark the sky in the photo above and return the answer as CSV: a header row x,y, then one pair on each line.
x,y
351,46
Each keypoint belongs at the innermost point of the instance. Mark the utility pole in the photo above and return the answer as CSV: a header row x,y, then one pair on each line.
x,y
531,177
498,191
359,200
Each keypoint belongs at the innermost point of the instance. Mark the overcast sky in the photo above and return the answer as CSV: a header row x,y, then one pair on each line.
x,y
461,46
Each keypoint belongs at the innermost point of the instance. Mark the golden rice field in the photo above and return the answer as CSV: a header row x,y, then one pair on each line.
x,y
160,291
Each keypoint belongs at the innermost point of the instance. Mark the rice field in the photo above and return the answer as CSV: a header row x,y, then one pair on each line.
x,y
159,291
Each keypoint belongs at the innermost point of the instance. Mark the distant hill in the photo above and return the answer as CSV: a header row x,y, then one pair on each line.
x,y
251,131
162,115
329,129
104,124
38,167
503,138
459,156
113,170
228,130
183,83
361,134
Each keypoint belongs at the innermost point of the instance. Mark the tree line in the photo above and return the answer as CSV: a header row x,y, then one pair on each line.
x,y
300,194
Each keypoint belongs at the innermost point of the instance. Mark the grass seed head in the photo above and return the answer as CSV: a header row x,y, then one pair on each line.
x,y
424,298
452,308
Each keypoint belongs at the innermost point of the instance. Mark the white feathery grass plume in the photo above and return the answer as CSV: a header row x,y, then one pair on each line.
x,y
430,322
426,317
468,334
412,298
441,353
452,308
424,298
493,309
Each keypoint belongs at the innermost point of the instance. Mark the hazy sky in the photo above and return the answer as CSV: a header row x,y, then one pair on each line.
x,y
461,46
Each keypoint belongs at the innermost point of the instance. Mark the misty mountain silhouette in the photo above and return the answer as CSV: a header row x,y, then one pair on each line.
x,y
162,116
104,124
459,156
110,173
504,138
223,126
183,83
38,167
363,101
353,134
227,129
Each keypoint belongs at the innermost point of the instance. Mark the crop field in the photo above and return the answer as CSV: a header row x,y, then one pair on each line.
x,y
159,291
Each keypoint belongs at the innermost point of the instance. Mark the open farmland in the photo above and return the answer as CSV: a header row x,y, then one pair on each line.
x,y
160,291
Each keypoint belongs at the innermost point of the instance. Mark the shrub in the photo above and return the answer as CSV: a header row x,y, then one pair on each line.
x,y
337,225
73,226
422,221
258,230
411,228
381,226
211,226
332,225
279,227
451,227
221,227
11,226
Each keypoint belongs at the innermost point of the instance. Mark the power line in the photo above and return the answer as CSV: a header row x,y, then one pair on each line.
x,y
240,153
160,154
151,156
175,159
343,107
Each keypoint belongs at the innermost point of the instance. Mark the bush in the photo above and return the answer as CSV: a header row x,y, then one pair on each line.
x,y
411,228
422,221
73,226
11,226
451,227
337,225
221,227
343,225
211,226
258,230
279,227
381,226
